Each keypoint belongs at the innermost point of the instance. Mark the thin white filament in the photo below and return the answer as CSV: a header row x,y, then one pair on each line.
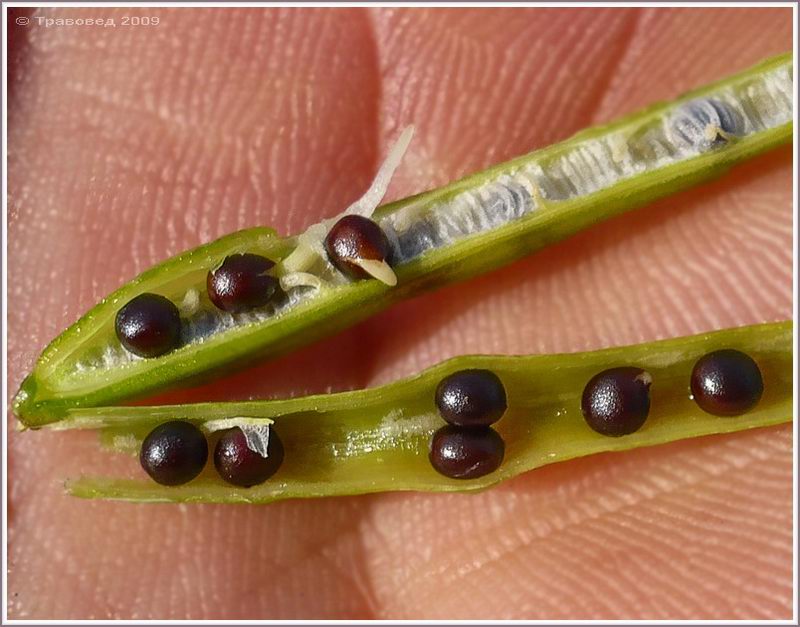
x,y
309,243
300,279
256,431
367,204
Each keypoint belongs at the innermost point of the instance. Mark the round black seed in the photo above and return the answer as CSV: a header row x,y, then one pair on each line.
x,y
356,237
174,452
461,453
616,401
726,382
238,465
471,398
149,325
241,283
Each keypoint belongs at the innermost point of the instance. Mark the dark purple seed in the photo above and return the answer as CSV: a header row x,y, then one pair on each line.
x,y
616,401
356,237
471,398
241,283
174,452
726,382
461,453
238,465
149,325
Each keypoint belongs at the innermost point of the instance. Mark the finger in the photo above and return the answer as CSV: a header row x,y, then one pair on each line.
x,y
690,530
129,145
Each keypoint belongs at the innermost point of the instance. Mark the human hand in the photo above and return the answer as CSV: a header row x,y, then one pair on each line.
x,y
128,145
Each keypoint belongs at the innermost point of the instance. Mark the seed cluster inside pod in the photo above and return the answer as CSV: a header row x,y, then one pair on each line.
x,y
576,183
354,246
249,293
470,401
361,246
175,452
150,325
725,382
615,402
392,438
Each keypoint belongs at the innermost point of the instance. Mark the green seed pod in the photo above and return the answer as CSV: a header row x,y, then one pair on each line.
x,y
379,439
469,227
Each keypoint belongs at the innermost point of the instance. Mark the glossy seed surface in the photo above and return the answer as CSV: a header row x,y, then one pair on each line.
x,y
241,283
461,453
356,237
616,402
726,382
174,453
471,398
149,325
240,466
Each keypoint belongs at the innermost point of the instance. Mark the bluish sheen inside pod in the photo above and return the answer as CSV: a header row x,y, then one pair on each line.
x,y
698,123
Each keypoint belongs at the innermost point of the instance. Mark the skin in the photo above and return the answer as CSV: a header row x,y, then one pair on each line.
x,y
127,145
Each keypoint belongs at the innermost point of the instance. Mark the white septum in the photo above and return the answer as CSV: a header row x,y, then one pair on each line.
x,y
256,431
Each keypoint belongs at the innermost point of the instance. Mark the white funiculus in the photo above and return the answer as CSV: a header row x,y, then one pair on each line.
x,y
300,279
310,244
256,431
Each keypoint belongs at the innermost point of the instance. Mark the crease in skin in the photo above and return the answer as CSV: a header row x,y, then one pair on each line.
x,y
581,516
